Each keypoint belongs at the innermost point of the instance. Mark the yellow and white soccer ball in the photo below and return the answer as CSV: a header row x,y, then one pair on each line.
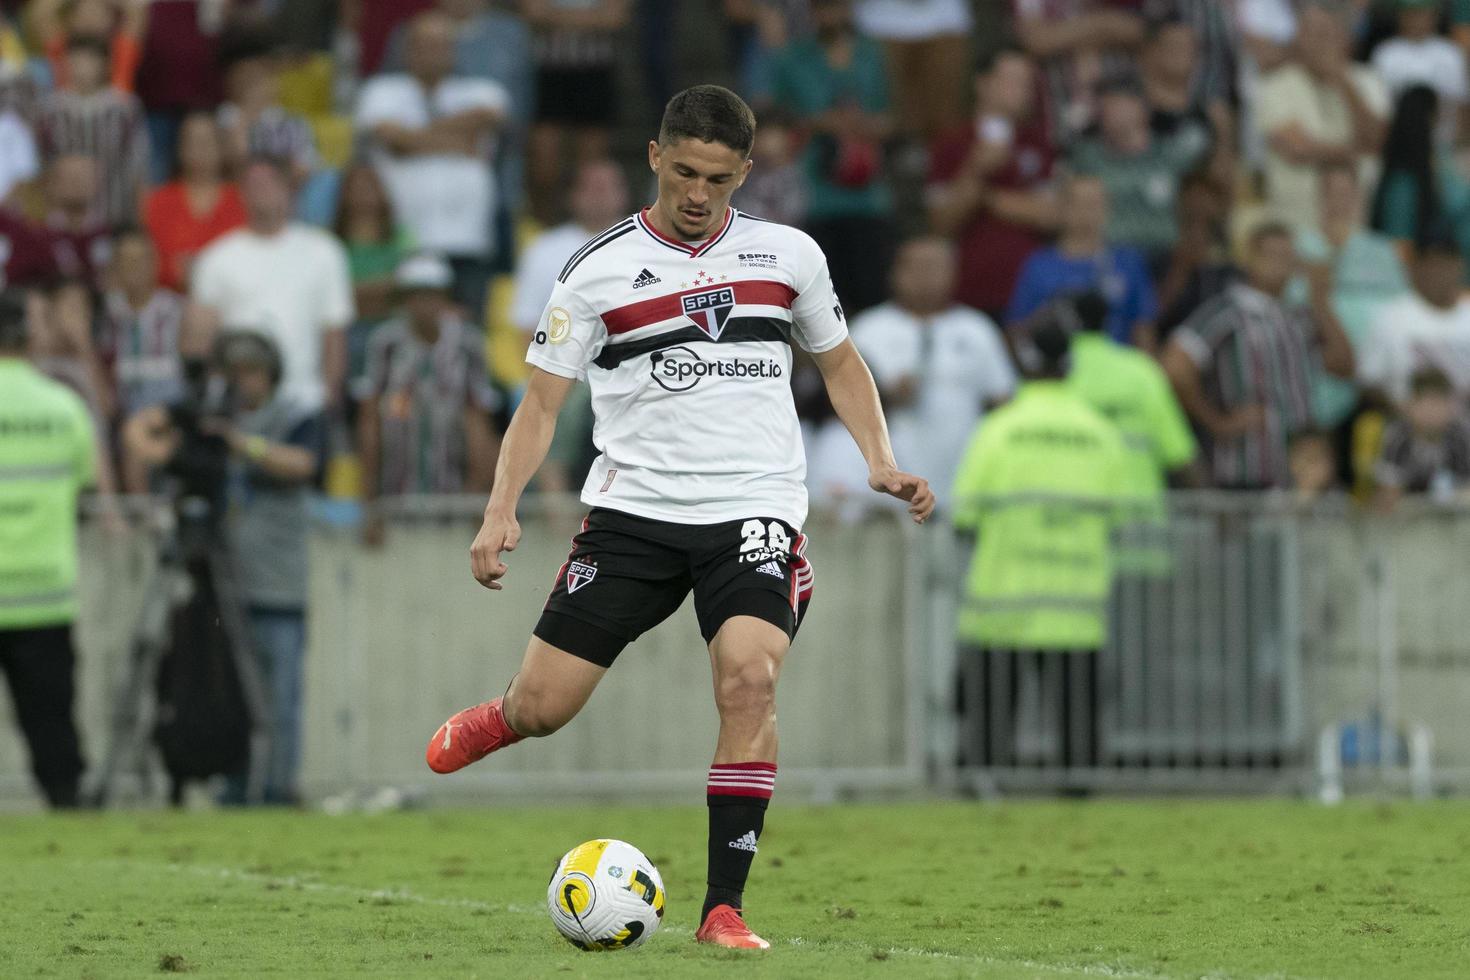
x,y
606,895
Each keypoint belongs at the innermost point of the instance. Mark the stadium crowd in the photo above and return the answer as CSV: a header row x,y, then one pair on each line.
x,y
1269,195
1268,199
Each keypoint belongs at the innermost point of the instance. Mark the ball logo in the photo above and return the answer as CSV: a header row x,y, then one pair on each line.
x,y
679,369
558,325
710,310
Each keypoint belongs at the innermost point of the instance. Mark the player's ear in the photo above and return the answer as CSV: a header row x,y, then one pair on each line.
x,y
745,170
654,151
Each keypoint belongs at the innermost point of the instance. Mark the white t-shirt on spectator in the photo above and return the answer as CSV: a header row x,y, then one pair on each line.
x,y
1436,62
446,200
912,20
293,286
961,364
1409,334
537,268
19,161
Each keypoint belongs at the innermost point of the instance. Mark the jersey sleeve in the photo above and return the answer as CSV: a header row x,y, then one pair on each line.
x,y
820,324
568,336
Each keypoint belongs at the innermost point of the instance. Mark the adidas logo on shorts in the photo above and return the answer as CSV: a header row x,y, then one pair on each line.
x,y
645,278
745,843
771,568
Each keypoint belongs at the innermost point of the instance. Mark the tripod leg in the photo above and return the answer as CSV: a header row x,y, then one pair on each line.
x,y
242,650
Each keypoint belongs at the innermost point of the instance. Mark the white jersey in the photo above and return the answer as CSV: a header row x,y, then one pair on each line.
x,y
687,350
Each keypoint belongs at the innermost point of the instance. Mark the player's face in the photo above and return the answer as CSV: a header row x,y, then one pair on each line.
x,y
695,182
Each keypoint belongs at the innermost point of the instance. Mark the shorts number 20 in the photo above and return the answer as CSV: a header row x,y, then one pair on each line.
x,y
759,535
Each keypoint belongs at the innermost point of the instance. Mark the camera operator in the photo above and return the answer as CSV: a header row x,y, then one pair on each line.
x,y
252,452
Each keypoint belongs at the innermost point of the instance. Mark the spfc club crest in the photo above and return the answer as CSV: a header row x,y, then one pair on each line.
x,y
579,575
710,309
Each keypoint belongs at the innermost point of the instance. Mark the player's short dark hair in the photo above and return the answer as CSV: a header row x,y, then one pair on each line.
x,y
13,326
710,114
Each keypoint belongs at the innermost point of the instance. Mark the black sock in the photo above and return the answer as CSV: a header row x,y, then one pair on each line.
x,y
738,795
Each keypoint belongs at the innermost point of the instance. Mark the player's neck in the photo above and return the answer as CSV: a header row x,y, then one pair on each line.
x,y
661,224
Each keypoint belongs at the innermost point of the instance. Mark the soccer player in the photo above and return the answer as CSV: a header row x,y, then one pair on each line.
x,y
682,318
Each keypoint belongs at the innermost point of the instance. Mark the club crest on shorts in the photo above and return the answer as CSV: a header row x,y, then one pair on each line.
x,y
579,574
710,309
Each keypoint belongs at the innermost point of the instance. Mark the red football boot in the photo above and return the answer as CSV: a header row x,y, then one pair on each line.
x,y
724,927
469,736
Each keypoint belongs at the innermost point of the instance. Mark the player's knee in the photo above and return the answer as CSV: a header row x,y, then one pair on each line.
x,y
748,689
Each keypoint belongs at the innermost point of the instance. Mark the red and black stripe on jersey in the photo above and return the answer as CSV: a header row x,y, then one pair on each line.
x,y
634,316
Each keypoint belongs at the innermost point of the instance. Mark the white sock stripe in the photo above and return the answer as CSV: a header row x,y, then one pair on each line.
x,y
716,780
743,774
716,787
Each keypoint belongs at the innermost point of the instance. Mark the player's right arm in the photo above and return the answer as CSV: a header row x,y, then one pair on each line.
x,y
568,337
521,452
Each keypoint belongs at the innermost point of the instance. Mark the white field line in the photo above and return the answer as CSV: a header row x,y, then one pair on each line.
x,y
394,894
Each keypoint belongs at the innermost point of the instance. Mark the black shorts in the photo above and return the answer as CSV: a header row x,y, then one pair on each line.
x,y
627,574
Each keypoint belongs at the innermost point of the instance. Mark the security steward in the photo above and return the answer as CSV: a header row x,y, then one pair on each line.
x,y
1039,486
47,455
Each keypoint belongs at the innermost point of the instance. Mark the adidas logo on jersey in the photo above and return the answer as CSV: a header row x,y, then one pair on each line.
x,y
745,843
645,278
771,568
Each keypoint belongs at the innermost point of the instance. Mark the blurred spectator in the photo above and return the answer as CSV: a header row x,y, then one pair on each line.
x,y
27,249
256,124
275,450
81,241
599,197
285,279
1320,109
1429,327
495,45
1242,364
197,206
1200,267
576,88
179,70
1427,448
432,138
376,243
144,321
836,85
939,366
927,43
64,347
756,32
776,186
1313,463
1211,40
47,456
1267,32
1421,185
1128,388
20,158
1172,75
990,183
1077,42
377,24
1040,487
1366,274
88,117
1419,55
120,22
1082,260
1140,170
424,423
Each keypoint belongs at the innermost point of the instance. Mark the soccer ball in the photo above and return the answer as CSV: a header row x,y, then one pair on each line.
x,y
605,894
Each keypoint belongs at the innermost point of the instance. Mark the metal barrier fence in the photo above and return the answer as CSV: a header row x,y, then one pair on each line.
x,y
1280,648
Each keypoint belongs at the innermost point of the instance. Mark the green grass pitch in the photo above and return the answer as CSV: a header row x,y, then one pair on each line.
x,y
1121,889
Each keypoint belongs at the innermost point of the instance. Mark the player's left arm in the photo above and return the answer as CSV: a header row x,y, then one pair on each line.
x,y
854,395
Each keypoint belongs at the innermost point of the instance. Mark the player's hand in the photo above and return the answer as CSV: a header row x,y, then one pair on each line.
x,y
905,486
500,532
